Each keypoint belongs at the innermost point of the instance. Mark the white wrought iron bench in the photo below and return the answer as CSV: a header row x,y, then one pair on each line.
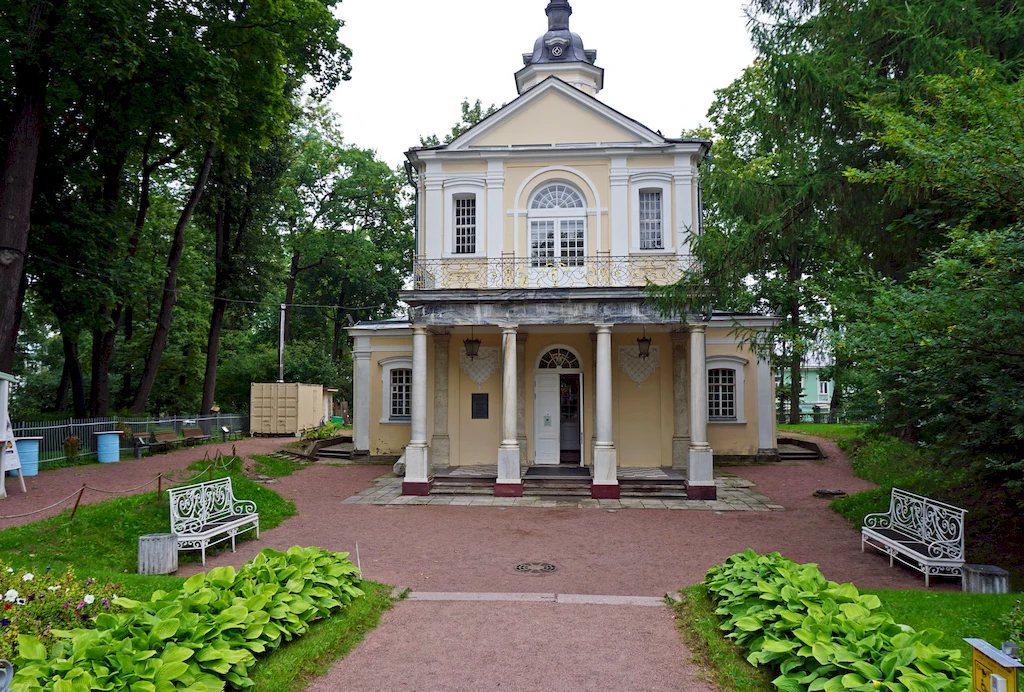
x,y
207,513
923,534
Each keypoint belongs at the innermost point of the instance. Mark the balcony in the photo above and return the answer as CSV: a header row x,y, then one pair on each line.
x,y
481,273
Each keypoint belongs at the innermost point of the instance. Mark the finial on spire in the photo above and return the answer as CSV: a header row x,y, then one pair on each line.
x,y
558,12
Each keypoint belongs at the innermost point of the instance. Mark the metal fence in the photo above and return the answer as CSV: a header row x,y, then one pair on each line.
x,y
819,417
55,434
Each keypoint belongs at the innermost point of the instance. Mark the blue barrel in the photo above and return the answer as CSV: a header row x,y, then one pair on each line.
x,y
108,446
28,453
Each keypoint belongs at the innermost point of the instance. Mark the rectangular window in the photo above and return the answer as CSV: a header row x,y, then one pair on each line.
x,y
572,242
651,236
542,243
465,225
401,393
722,394
822,390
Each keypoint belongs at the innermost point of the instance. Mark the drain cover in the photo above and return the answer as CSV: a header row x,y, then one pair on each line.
x,y
535,568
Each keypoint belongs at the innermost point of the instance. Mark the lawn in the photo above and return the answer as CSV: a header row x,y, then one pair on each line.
x,y
955,614
829,431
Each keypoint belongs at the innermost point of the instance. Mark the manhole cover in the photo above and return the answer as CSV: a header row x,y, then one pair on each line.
x,y
535,568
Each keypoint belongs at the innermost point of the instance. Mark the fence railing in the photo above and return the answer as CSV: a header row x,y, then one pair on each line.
x,y
821,417
550,272
55,433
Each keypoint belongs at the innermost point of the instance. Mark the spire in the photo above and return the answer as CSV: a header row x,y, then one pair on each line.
x,y
558,13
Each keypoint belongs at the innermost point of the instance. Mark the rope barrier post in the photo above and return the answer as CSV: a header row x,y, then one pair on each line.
x,y
159,486
211,472
77,500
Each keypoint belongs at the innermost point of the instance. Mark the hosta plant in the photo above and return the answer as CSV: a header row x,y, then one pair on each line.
x,y
202,637
821,635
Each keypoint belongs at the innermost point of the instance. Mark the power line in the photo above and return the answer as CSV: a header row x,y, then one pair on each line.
x,y
162,289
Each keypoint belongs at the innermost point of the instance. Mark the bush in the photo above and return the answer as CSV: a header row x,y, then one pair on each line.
x,y
200,637
1014,621
821,635
324,432
37,604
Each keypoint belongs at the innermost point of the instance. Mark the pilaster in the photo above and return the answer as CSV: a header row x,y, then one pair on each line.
x,y
620,232
440,445
606,480
700,476
521,397
495,201
509,482
361,394
767,446
417,454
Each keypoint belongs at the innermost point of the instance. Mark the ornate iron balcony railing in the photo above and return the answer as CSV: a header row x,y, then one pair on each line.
x,y
571,272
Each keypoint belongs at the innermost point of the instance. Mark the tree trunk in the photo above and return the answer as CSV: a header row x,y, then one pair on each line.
x,y
102,355
17,178
126,376
163,324
62,388
212,350
796,385
289,296
338,328
74,367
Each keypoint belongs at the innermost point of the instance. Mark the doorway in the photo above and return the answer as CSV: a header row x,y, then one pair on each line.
x,y
558,409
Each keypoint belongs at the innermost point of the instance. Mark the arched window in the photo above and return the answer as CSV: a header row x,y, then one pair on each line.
x,y
558,358
558,226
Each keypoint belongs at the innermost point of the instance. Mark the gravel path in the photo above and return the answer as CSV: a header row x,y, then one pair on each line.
x,y
50,486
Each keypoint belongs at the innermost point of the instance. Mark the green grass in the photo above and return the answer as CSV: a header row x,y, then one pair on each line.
x,y
104,536
954,613
274,466
295,664
724,663
833,431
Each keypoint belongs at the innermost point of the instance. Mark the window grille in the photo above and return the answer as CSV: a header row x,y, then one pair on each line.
x,y
465,225
572,242
542,243
722,394
559,358
651,236
401,393
557,196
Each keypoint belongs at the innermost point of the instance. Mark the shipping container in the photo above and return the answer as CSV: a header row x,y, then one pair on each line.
x,y
285,408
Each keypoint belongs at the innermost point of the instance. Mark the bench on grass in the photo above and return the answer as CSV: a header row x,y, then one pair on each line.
x,y
166,439
923,534
194,435
141,442
207,513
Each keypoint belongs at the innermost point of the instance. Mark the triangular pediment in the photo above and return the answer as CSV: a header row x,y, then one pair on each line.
x,y
555,113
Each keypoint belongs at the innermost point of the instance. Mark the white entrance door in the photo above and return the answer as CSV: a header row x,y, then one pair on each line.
x,y
546,418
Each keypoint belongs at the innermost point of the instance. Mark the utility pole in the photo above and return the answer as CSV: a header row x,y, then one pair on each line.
x,y
280,347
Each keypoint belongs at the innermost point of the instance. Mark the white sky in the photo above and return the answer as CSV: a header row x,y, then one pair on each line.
x,y
414,61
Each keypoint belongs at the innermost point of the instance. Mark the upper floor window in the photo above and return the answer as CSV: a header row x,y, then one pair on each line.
x,y
651,235
822,390
721,394
558,226
465,224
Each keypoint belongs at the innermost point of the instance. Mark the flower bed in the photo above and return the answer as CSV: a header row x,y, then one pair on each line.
x,y
37,604
820,635
202,637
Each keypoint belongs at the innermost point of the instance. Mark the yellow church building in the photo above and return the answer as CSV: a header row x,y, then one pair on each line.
x,y
529,348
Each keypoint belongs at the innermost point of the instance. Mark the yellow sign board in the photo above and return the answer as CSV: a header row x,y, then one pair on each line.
x,y
991,669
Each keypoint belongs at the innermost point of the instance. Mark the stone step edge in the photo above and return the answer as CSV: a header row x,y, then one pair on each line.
x,y
528,597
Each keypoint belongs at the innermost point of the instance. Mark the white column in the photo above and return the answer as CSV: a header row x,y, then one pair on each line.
x,y
766,444
440,446
521,396
361,393
680,401
700,474
417,454
684,177
619,212
433,211
495,208
606,480
509,483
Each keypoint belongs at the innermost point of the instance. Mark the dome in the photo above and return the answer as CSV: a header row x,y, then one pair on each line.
x,y
559,44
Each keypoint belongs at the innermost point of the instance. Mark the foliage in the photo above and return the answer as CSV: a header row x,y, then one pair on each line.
x,y
200,637
293,665
38,603
829,431
1014,622
72,445
324,432
104,535
821,635
471,115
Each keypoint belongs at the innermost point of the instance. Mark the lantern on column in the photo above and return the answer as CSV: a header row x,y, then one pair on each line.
x,y
644,344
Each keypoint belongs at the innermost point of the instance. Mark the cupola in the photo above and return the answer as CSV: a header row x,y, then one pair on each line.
x,y
560,52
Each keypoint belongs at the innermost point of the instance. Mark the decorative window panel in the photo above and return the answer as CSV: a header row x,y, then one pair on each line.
x,y
559,358
542,243
722,394
465,225
401,393
557,196
651,234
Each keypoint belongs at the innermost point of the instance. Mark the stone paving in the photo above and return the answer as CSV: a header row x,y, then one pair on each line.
x,y
734,495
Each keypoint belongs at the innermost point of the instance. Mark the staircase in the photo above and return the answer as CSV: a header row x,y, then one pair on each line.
x,y
343,451
792,452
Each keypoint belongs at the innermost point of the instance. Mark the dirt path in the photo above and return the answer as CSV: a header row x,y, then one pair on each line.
x,y
50,486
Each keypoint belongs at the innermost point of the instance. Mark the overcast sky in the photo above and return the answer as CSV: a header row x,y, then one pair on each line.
x,y
414,61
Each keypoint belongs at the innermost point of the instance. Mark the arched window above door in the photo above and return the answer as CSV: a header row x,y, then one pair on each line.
x,y
559,358
558,227
557,196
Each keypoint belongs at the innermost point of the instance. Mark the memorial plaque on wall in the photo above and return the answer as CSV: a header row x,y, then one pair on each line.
x,y
480,406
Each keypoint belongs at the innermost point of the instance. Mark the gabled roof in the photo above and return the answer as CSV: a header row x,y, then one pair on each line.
x,y
553,83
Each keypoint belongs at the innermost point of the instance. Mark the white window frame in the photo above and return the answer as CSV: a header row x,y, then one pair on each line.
x,y
824,393
651,182
739,366
463,189
387,365
558,217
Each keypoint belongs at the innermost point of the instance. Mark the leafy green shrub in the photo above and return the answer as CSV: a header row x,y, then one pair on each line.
x,y
200,637
324,432
37,604
1014,621
821,635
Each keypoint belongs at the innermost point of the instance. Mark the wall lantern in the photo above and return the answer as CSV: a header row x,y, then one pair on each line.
x,y
644,344
472,345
